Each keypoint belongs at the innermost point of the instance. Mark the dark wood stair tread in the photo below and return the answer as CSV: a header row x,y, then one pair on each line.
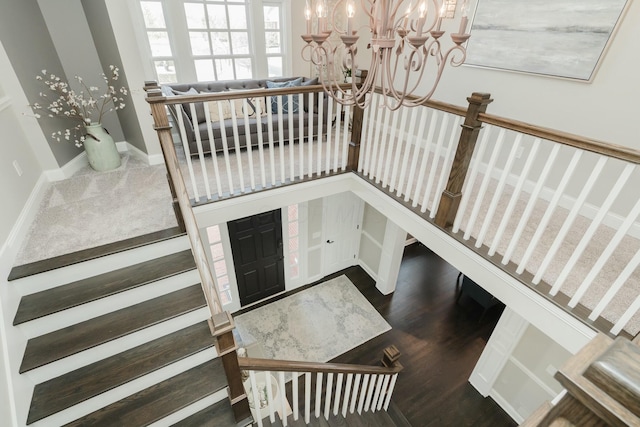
x,y
83,291
160,400
65,260
90,333
84,383
217,415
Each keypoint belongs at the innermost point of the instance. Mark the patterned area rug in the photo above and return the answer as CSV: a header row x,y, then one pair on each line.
x,y
315,325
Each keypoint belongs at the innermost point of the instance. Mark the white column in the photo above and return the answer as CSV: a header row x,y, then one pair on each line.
x,y
391,257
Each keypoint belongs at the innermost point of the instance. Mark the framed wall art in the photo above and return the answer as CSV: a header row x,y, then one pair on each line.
x,y
561,38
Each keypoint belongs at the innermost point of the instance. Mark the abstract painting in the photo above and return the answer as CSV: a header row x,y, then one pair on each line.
x,y
563,38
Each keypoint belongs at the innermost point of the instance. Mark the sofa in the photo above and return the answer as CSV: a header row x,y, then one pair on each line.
x,y
257,125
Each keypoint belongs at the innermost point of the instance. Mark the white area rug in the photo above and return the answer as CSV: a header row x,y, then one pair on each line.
x,y
315,325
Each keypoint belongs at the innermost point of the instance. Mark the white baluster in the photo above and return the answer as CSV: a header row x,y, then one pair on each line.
x,y
338,129
294,392
488,218
263,174
301,137
329,133
272,156
416,153
384,141
327,396
370,391
363,139
568,222
337,395
390,391
320,133
212,145
399,144
283,164
485,184
613,244
248,143
408,146
236,140
376,395
347,393
363,392
446,168
187,153
553,204
354,393
428,143
292,140
225,146
270,402
383,395
256,397
467,190
311,136
203,166
616,286
307,397
373,111
318,393
628,314
515,197
392,143
283,396
586,238
533,198
345,136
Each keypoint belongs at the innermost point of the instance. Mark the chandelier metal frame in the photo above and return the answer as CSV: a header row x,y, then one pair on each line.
x,y
403,47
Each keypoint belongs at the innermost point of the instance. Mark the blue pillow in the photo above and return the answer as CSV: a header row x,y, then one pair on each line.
x,y
285,99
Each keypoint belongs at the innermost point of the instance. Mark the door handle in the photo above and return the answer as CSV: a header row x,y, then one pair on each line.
x,y
329,241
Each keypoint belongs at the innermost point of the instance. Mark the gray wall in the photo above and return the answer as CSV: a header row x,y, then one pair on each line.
x,y
105,42
30,49
67,25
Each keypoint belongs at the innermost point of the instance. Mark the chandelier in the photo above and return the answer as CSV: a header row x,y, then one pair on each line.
x,y
406,47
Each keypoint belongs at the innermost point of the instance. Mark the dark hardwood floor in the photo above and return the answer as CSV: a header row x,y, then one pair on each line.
x,y
440,342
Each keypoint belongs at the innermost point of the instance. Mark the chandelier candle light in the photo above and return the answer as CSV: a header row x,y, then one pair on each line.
x,y
406,41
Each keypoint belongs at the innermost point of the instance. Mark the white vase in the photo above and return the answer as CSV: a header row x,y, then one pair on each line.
x,y
101,150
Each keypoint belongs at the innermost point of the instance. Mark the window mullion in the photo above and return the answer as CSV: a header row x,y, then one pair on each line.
x,y
257,35
179,36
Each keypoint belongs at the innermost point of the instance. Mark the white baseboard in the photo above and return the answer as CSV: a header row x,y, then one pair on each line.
x,y
68,169
21,227
368,269
126,147
510,410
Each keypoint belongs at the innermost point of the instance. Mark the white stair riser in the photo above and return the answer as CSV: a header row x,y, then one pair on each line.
x,y
192,409
109,304
126,390
94,267
68,364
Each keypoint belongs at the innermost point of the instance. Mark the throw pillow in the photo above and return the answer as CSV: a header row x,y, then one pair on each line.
x,y
285,99
214,111
187,107
311,82
252,103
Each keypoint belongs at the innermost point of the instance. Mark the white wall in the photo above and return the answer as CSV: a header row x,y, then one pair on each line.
x,y
604,109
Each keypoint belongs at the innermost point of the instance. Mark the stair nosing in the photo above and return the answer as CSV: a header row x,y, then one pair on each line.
x,y
60,261
84,282
145,369
35,342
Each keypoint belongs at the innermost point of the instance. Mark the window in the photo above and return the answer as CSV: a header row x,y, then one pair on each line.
x,y
202,40
159,43
219,264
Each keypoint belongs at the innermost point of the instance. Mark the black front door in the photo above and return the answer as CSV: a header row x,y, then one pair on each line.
x,y
256,244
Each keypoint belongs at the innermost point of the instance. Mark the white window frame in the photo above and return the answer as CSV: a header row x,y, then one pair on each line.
x,y
175,21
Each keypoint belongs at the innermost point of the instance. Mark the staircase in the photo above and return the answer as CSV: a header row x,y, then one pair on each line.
x,y
118,336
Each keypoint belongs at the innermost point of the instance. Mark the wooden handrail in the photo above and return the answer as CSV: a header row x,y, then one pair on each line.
x,y
438,105
573,140
156,100
248,363
241,94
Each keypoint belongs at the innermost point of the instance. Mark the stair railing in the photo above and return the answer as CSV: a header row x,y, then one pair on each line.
x,y
338,388
496,184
